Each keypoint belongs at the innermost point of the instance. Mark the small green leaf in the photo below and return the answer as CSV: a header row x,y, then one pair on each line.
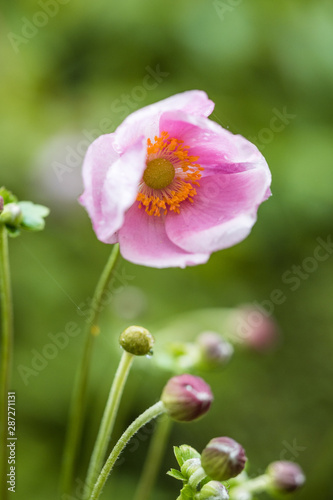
x,y
186,493
176,474
33,215
178,455
7,196
187,452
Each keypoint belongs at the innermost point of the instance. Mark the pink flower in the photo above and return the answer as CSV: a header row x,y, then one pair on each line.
x,y
172,186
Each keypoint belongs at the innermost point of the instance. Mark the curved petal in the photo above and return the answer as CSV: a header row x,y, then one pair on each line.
x,y
99,158
219,150
143,240
120,190
145,121
223,212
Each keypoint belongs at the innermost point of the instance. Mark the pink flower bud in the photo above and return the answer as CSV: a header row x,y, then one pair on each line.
x,y
1,203
186,397
223,458
286,476
255,329
215,351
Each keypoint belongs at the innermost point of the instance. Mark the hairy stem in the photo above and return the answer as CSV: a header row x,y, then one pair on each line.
x,y
142,420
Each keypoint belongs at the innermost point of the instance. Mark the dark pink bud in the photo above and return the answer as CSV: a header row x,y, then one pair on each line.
x,y
223,458
186,397
1,203
286,476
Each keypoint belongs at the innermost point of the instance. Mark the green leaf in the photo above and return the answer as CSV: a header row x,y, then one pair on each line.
x,y
176,474
8,196
33,215
186,493
178,455
187,452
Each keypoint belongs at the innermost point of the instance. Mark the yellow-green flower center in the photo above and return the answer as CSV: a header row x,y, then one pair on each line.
x,y
159,173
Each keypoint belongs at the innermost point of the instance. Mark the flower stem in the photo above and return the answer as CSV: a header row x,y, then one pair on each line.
x,y
154,458
255,485
6,354
76,415
142,420
106,428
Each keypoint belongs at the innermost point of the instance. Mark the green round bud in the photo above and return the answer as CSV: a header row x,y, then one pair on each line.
x,y
213,490
11,215
137,340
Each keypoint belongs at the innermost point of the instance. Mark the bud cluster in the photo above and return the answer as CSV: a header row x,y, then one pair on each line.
x,y
223,459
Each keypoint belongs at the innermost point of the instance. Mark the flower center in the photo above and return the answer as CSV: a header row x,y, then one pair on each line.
x,y
170,176
159,173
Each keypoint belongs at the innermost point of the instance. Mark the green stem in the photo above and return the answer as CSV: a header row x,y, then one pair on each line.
x,y
142,420
255,485
154,458
76,415
6,354
106,428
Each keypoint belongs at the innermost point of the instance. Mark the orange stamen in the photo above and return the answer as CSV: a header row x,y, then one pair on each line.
x,y
187,174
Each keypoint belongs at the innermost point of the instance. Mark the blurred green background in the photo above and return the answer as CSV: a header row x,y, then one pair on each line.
x,y
74,73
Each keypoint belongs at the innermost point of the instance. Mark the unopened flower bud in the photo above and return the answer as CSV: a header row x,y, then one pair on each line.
x,y
1,204
213,490
186,397
11,215
223,458
215,350
285,476
137,340
255,329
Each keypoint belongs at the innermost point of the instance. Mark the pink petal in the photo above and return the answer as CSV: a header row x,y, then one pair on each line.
x,y
223,212
100,155
218,149
143,240
117,187
145,121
